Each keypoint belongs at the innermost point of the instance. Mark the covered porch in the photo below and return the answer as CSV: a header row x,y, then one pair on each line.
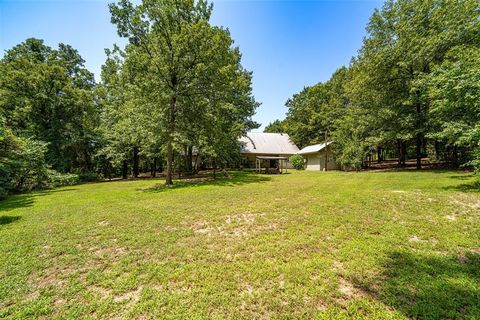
x,y
271,165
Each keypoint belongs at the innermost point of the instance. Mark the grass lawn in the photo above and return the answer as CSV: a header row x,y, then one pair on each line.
x,y
384,245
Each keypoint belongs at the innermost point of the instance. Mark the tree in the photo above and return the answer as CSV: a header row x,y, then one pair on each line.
x,y
313,111
453,88
405,40
47,95
22,162
277,126
353,140
123,126
187,68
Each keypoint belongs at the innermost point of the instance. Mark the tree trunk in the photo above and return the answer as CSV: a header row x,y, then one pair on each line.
x,y
419,150
399,145
402,153
455,157
169,178
326,157
214,169
195,165
437,150
88,160
379,154
135,162
154,167
125,169
419,137
326,150
190,159
169,175
185,159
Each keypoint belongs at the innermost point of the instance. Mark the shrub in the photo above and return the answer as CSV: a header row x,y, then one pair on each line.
x,y
22,163
89,177
297,161
57,179
475,162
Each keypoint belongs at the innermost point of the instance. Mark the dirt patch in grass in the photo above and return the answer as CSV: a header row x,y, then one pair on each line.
x,y
111,252
451,217
101,292
466,202
414,238
130,296
338,267
349,292
241,225
346,288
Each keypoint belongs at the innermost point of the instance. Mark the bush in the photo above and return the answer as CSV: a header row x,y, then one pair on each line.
x,y
89,177
297,161
57,179
22,163
475,162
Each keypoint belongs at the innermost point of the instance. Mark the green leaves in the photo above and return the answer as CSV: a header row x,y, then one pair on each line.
x,y
453,88
181,78
414,81
297,161
46,95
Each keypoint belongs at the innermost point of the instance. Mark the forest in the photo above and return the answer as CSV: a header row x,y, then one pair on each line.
x,y
178,91
412,92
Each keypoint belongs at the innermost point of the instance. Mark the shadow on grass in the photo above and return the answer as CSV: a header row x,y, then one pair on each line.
x,y
472,186
16,201
26,199
460,172
237,178
461,177
8,219
430,287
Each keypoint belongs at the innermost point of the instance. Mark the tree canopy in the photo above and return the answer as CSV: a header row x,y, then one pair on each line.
x,y
410,92
187,73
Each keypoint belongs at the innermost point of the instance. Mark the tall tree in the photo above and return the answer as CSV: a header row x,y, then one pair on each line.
x,y
185,61
453,88
277,126
123,127
47,95
313,112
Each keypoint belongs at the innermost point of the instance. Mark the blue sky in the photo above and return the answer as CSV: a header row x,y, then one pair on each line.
x,y
287,44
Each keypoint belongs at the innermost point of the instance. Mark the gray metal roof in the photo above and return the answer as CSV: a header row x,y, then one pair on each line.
x,y
271,158
268,143
313,148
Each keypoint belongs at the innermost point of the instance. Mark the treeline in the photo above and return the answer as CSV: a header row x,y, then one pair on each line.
x,y
413,90
176,93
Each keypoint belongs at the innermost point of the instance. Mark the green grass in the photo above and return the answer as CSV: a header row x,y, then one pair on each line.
x,y
384,245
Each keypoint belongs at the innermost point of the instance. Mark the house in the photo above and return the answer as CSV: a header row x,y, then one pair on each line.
x,y
315,157
272,149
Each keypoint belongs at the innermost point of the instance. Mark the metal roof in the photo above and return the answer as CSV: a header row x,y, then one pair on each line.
x,y
268,143
271,158
313,148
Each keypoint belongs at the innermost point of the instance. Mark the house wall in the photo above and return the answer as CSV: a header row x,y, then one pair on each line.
x,y
316,161
312,162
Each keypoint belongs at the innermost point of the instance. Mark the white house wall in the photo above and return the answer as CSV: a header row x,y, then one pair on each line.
x,y
313,162
316,162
